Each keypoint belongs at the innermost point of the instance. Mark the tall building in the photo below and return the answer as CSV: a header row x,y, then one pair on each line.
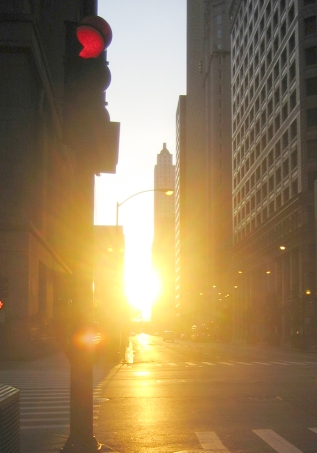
x,y
274,125
163,250
208,158
38,207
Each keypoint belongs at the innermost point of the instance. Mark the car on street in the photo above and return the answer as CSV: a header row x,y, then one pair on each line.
x,y
168,335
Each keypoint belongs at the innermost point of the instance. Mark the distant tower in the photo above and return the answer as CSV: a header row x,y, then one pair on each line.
x,y
163,250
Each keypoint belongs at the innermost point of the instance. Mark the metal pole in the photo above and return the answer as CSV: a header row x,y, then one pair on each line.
x,y
117,215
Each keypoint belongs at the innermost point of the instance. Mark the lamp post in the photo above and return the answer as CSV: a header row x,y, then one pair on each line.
x,y
167,192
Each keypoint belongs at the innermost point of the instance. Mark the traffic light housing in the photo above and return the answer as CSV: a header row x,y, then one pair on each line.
x,y
87,125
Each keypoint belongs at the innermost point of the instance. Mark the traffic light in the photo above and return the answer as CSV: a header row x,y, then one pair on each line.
x,y
87,125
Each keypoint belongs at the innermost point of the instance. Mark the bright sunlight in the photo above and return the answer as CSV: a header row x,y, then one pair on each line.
x,y
142,289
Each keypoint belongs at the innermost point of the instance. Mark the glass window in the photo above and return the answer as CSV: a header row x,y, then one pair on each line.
x,y
311,55
310,25
311,117
311,86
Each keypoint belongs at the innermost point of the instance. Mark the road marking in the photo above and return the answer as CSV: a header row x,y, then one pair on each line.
x,y
263,363
226,363
244,363
210,442
314,363
275,441
281,363
172,364
191,363
208,363
313,429
297,363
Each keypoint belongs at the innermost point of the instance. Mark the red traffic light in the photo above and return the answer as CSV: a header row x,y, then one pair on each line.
x,y
95,35
1,304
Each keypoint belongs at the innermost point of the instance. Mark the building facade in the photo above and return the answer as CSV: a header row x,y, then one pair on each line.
x,y
37,185
274,125
208,158
163,249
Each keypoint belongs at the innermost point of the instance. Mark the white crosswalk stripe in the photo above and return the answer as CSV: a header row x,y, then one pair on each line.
x,y
44,403
275,441
210,442
231,363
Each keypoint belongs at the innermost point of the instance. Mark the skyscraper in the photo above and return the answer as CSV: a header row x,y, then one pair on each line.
x,y
163,250
208,157
274,105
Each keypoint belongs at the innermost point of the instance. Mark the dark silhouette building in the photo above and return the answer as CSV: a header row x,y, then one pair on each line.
x,y
39,206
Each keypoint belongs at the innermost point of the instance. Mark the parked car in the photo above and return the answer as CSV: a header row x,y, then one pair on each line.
x,y
168,335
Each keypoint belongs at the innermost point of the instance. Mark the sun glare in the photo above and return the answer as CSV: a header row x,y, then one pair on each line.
x,y
142,289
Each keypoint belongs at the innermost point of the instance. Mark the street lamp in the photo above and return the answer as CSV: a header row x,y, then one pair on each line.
x,y
167,192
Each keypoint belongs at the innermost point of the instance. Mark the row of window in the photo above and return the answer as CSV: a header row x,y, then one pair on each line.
x,y
288,224
275,28
247,153
282,198
252,79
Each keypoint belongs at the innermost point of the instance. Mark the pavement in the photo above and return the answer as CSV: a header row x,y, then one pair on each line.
x,y
52,367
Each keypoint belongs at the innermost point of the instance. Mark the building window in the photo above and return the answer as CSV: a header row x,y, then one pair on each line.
x,y
286,195
285,168
311,117
311,55
312,149
271,183
270,158
294,158
278,175
310,25
311,86
293,130
294,188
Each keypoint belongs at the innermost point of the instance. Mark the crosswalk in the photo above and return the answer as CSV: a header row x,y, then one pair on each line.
x,y
44,403
210,442
222,363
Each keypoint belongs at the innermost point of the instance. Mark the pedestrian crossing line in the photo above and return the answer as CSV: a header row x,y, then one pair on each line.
x,y
226,363
281,363
275,441
263,363
210,442
191,363
297,363
208,363
46,427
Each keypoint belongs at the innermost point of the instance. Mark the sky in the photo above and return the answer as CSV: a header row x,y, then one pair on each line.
x,y
147,60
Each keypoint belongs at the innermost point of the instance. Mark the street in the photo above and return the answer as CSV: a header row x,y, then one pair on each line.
x,y
179,397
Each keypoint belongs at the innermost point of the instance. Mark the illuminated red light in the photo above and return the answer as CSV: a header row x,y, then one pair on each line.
x,y
95,35
91,40
1,304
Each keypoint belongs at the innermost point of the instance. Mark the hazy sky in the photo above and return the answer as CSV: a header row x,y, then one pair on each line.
x,y
147,60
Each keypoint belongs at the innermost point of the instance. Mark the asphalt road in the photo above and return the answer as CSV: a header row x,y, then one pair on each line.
x,y
180,397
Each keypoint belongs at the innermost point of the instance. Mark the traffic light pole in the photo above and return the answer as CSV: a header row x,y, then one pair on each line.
x,y
80,346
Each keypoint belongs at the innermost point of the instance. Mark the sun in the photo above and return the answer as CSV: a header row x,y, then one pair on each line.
x,y
142,288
